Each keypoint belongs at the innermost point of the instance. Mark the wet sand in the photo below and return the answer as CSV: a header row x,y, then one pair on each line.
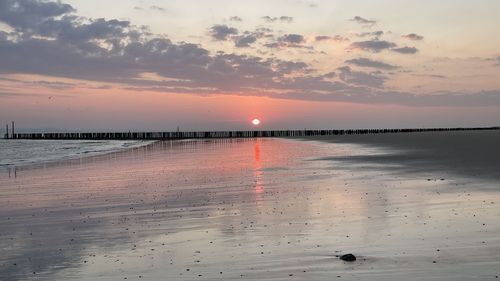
x,y
474,154
263,209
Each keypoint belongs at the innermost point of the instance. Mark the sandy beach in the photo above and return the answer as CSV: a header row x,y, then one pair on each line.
x,y
415,206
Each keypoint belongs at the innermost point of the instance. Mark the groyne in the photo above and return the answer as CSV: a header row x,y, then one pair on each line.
x,y
225,134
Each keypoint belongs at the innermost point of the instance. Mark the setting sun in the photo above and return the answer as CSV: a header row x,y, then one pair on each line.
x,y
255,122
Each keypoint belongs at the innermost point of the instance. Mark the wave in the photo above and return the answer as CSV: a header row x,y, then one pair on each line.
x,y
26,152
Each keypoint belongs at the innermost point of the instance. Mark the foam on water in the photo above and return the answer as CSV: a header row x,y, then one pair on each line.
x,y
25,152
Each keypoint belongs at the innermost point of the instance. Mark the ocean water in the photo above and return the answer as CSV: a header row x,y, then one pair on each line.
x,y
24,152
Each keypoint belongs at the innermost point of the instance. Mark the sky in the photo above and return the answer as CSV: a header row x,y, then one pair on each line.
x,y
119,65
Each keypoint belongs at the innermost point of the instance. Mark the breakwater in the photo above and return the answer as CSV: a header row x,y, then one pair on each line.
x,y
225,134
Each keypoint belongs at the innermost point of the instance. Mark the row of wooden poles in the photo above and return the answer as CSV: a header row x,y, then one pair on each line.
x,y
7,130
225,134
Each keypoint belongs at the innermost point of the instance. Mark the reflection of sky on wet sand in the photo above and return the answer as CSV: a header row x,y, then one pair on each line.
x,y
231,209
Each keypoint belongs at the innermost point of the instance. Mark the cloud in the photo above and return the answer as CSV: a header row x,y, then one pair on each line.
x,y
285,19
235,18
100,50
405,50
152,7
157,8
273,45
437,76
29,13
66,29
5,94
3,35
374,45
372,79
50,40
245,41
269,18
366,62
292,38
289,41
221,32
287,67
374,33
54,84
374,96
413,36
249,37
336,38
363,21
261,32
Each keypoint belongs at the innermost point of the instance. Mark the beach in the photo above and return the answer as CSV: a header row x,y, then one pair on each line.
x,y
416,206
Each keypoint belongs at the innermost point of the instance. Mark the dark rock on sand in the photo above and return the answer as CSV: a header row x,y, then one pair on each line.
x,y
348,257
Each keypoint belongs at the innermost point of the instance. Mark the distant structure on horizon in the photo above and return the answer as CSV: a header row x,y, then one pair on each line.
x,y
226,134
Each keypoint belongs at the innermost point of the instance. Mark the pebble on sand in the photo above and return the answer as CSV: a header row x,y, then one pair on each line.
x,y
348,257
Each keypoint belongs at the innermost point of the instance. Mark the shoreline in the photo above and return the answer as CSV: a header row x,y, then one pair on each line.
x,y
20,163
392,141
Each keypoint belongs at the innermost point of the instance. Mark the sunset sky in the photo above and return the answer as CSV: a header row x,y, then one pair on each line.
x,y
204,64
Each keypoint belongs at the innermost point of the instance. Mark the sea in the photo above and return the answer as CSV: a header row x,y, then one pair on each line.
x,y
15,153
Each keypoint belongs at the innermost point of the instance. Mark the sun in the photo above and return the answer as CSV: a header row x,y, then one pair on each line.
x,y
255,121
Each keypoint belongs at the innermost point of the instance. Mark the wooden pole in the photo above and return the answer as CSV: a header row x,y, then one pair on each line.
x,y
12,129
6,131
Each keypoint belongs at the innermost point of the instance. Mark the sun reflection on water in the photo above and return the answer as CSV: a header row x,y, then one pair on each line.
x,y
257,174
